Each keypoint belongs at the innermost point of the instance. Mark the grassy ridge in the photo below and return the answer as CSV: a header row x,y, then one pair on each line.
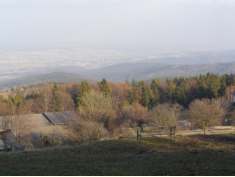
x,y
201,155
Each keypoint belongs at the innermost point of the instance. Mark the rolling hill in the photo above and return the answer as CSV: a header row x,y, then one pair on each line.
x,y
189,60
162,71
125,67
121,72
36,78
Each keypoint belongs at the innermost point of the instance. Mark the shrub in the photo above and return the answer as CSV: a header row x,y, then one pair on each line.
x,y
80,131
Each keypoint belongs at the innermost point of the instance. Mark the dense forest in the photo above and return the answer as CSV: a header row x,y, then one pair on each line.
x,y
40,78
181,90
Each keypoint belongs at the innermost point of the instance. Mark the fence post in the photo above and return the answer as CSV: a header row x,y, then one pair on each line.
x,y
171,133
142,129
137,133
174,132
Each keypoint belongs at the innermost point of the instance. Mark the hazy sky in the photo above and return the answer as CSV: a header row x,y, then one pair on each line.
x,y
69,23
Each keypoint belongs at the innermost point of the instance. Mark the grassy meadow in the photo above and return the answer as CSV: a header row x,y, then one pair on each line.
x,y
196,155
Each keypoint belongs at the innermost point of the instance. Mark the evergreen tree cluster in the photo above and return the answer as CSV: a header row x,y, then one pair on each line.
x,y
184,90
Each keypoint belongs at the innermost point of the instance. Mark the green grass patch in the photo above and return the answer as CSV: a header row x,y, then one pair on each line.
x,y
152,156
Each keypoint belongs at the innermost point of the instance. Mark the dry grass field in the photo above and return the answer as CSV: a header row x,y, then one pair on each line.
x,y
196,155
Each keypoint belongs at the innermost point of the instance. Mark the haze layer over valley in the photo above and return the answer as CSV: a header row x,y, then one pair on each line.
x,y
116,39
87,61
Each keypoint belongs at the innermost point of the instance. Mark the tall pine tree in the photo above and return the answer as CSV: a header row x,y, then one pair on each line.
x,y
154,87
104,87
134,84
55,100
11,104
55,88
147,97
128,83
131,97
19,102
141,83
82,89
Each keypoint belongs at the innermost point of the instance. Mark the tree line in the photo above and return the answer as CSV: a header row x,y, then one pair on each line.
x,y
110,105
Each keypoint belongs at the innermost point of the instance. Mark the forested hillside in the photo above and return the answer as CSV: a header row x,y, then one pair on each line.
x,y
125,67
36,78
121,72
161,71
179,90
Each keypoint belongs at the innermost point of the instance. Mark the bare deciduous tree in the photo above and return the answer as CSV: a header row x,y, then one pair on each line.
x,y
45,99
119,93
31,105
96,107
19,125
133,115
63,101
206,112
164,115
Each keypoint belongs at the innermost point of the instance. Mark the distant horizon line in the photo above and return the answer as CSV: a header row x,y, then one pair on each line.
x,y
122,46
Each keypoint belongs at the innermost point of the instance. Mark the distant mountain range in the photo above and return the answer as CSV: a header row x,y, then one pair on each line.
x,y
121,72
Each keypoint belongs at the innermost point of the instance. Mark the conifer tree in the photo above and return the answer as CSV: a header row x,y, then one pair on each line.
x,y
147,97
228,80
154,88
134,84
33,94
232,79
19,102
181,96
55,88
170,88
128,83
131,97
104,87
82,89
141,83
11,104
201,87
176,80
223,85
212,86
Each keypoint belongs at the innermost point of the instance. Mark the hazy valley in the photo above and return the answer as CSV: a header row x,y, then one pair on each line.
x,y
115,65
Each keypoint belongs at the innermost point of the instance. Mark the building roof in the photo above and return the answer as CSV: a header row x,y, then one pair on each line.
x,y
39,122
60,118
42,123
